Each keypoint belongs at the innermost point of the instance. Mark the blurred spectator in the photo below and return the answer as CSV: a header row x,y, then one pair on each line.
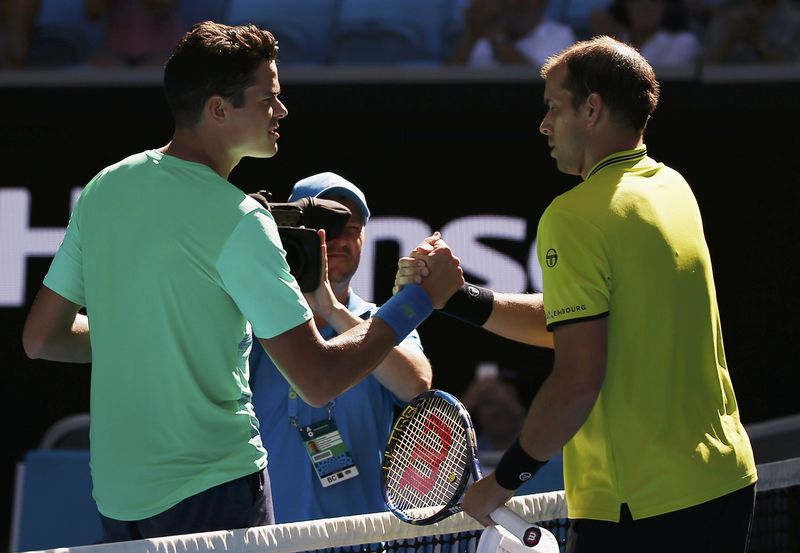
x,y
656,28
498,414
500,32
496,408
577,15
18,17
698,13
755,31
138,32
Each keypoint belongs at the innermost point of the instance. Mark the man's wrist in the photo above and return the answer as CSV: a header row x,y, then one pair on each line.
x,y
405,310
340,318
516,467
471,304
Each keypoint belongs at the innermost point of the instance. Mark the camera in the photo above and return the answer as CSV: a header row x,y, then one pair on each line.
x,y
298,223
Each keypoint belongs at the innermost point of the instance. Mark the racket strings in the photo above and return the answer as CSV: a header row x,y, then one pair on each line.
x,y
429,458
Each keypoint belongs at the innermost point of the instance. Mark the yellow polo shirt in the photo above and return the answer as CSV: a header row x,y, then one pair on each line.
x,y
664,434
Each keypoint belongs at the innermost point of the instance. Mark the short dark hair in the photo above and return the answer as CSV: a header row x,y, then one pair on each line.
x,y
615,71
213,58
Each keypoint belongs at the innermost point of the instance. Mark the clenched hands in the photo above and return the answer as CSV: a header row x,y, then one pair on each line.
x,y
433,266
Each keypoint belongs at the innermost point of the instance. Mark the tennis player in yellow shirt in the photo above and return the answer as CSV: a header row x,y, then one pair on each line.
x,y
640,399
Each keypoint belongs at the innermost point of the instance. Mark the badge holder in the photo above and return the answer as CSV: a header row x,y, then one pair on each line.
x,y
328,452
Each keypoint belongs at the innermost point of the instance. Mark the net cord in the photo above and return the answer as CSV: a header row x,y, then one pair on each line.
x,y
780,474
324,533
372,528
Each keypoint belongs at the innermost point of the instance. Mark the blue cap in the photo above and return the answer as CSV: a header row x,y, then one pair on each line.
x,y
324,185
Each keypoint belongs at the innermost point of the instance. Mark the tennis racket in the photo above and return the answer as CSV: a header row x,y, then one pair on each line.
x,y
427,464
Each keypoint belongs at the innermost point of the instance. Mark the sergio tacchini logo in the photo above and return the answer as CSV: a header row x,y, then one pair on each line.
x,y
551,258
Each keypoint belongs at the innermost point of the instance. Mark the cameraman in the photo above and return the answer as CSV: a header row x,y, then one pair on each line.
x,y
346,482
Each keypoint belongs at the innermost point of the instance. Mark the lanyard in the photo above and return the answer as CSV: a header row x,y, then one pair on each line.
x,y
292,408
327,333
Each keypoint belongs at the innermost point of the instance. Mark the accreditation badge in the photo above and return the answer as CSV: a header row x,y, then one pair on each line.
x,y
328,452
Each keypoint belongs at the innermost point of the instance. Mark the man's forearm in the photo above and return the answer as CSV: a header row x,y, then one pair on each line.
x,y
520,317
405,371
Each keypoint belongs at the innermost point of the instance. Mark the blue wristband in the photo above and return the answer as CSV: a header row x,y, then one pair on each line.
x,y
406,310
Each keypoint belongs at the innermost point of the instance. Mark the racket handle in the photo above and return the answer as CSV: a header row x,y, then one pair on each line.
x,y
539,539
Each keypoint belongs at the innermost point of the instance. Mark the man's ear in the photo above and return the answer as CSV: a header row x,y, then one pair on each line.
x,y
593,108
215,108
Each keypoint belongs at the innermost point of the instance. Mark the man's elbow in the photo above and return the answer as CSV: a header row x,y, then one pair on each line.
x,y
411,391
316,400
319,392
415,386
422,384
33,345
586,391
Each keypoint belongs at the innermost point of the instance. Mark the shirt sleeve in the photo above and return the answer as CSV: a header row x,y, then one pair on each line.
x,y
255,273
65,276
575,268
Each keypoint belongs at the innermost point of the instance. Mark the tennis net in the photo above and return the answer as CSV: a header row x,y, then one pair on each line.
x,y
776,527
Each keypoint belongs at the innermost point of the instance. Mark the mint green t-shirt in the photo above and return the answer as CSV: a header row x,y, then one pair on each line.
x,y
171,262
664,433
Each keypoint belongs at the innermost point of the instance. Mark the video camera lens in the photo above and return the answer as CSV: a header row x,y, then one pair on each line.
x,y
302,245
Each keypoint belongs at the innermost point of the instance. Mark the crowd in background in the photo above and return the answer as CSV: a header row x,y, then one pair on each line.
x,y
480,33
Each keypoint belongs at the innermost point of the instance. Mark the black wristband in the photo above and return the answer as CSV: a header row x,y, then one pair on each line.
x,y
471,304
516,467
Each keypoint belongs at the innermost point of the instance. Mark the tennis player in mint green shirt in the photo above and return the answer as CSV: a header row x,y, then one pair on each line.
x,y
160,252
640,399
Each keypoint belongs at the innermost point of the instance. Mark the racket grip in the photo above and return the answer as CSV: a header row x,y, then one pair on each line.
x,y
539,539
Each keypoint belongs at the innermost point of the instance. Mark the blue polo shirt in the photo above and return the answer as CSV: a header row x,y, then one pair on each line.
x,y
364,415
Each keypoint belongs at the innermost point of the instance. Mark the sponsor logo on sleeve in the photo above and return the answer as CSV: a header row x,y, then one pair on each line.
x,y
553,313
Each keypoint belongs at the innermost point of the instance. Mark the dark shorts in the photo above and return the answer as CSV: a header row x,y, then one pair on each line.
x,y
721,525
240,503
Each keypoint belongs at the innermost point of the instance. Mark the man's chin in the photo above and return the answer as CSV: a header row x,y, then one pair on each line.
x,y
568,170
266,153
338,277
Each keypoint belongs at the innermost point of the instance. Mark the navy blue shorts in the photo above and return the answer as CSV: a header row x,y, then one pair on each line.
x,y
721,525
240,503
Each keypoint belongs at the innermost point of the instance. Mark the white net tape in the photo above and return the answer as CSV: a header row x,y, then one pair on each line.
x,y
324,533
